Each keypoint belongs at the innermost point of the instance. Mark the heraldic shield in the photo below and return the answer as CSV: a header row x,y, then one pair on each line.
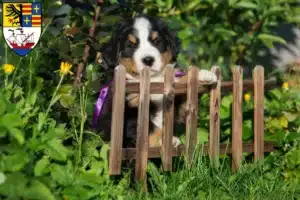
x,y
22,26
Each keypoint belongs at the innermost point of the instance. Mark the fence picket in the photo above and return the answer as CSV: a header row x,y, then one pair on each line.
x,y
142,152
168,109
258,79
143,128
237,117
214,127
115,156
192,113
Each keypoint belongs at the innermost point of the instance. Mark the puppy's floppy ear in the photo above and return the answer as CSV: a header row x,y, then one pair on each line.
x,y
171,38
111,50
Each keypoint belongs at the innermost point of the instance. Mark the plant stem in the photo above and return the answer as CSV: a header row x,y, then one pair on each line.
x,y
83,119
81,65
5,80
54,94
51,101
15,72
5,46
30,76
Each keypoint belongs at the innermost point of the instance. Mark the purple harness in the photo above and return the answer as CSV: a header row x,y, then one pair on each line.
x,y
103,95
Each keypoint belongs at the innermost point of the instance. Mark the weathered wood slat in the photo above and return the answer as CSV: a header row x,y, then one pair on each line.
x,y
117,124
143,128
214,127
158,88
168,109
192,113
237,117
258,78
129,153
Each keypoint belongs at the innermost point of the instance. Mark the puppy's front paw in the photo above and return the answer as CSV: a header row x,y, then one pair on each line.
x,y
175,142
207,77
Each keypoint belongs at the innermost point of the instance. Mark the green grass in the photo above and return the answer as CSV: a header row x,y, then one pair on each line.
x,y
202,181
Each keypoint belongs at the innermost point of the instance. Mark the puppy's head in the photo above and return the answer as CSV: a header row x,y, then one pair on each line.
x,y
141,42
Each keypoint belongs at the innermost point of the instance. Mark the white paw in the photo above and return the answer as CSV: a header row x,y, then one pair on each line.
x,y
207,77
175,142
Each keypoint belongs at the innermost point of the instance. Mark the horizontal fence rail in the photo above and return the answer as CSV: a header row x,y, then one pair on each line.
x,y
129,153
192,87
226,86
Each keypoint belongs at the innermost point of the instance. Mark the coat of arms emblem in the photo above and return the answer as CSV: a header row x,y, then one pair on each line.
x,y
22,26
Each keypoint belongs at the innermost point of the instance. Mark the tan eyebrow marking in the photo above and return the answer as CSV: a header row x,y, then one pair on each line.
x,y
154,35
132,38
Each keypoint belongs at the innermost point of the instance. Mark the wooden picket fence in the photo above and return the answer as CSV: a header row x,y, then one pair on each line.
x,y
142,153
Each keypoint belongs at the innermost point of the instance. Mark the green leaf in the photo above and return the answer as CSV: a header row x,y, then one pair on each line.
x,y
293,136
81,193
269,39
2,178
185,33
293,158
247,130
41,119
103,155
202,135
37,190
88,179
18,92
276,93
38,87
62,10
56,150
11,120
247,5
2,106
232,2
32,98
38,84
17,134
15,162
291,116
41,166
192,5
67,100
224,112
295,19
225,32
65,89
14,185
104,151
55,99
226,101
273,11
62,175
54,133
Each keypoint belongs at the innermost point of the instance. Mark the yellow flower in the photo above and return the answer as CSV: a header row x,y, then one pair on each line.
x,y
283,121
285,85
247,97
8,68
65,68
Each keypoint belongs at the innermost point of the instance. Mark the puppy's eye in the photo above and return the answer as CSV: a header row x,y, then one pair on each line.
x,y
157,41
131,45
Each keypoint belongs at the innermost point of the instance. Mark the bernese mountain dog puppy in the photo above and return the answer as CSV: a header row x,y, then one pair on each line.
x,y
139,42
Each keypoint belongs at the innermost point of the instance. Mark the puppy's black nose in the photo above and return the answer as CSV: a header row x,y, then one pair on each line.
x,y
148,60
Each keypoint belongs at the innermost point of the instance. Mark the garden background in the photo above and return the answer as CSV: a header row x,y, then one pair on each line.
x,y
49,151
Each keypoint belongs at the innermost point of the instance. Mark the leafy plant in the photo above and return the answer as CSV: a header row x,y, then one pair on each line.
x,y
38,158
